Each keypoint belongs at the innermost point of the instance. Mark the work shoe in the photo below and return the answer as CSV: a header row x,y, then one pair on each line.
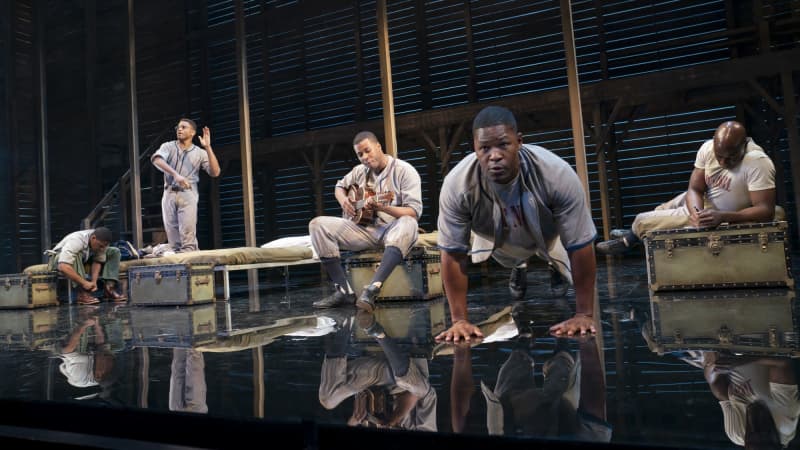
x,y
114,296
85,297
518,282
366,301
617,233
618,246
335,300
558,283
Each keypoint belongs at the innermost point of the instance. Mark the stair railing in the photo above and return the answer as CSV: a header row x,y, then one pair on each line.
x,y
102,208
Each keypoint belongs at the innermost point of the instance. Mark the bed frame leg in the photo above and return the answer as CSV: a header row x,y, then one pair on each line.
x,y
226,285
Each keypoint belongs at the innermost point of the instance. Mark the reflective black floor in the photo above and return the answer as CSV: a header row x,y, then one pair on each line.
x,y
695,369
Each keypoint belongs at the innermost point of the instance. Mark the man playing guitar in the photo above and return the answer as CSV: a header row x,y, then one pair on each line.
x,y
381,201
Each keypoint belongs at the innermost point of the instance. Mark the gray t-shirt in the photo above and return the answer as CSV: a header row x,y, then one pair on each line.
x,y
517,245
552,201
186,162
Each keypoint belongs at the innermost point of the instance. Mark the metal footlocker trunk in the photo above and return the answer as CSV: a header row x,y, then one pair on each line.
x,y
418,277
733,256
28,290
28,329
754,321
171,284
412,325
178,327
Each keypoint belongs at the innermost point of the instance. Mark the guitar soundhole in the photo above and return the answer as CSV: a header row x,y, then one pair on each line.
x,y
358,197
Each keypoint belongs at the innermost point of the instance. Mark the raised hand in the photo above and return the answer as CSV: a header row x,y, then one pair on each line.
x,y
205,139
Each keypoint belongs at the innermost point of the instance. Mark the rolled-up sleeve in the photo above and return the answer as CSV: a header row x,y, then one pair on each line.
x,y
571,213
454,222
411,189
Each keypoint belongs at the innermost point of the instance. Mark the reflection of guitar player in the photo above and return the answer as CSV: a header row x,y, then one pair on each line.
x,y
393,224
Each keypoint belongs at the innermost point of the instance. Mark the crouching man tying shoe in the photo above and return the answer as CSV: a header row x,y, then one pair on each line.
x,y
386,219
88,246
516,201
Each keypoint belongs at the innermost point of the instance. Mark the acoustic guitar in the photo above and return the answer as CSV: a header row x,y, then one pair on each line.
x,y
358,197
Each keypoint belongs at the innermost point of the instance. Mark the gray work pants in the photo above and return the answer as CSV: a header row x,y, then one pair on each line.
x,y
179,210
330,234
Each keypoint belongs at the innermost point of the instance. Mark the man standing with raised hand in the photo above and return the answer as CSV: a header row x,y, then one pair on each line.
x,y
181,161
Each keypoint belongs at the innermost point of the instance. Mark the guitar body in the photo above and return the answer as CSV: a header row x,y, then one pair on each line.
x,y
358,197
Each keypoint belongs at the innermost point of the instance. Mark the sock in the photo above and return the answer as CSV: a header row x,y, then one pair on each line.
x,y
398,360
333,266
392,256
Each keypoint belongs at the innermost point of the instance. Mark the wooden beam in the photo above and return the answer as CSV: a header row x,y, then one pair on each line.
x,y
40,19
245,148
790,119
602,173
576,114
762,25
258,382
765,95
133,134
389,128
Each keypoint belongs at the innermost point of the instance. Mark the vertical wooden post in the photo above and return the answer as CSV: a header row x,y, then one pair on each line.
x,y
144,377
258,382
133,134
790,118
575,98
244,127
41,94
390,135
599,146
245,144
762,26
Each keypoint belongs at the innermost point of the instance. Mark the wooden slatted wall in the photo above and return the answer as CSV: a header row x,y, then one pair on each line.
x,y
308,69
7,231
26,219
314,65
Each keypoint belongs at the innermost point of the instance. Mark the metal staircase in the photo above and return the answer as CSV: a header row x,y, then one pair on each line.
x,y
113,210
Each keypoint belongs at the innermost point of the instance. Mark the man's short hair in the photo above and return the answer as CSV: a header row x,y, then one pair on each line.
x,y
102,234
365,135
493,116
189,121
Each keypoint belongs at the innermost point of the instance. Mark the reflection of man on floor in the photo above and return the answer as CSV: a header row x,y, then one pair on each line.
x,y
569,404
733,181
758,397
411,400
86,358
187,382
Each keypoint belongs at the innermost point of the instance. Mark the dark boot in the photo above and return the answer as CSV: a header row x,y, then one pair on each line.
x,y
335,300
366,301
